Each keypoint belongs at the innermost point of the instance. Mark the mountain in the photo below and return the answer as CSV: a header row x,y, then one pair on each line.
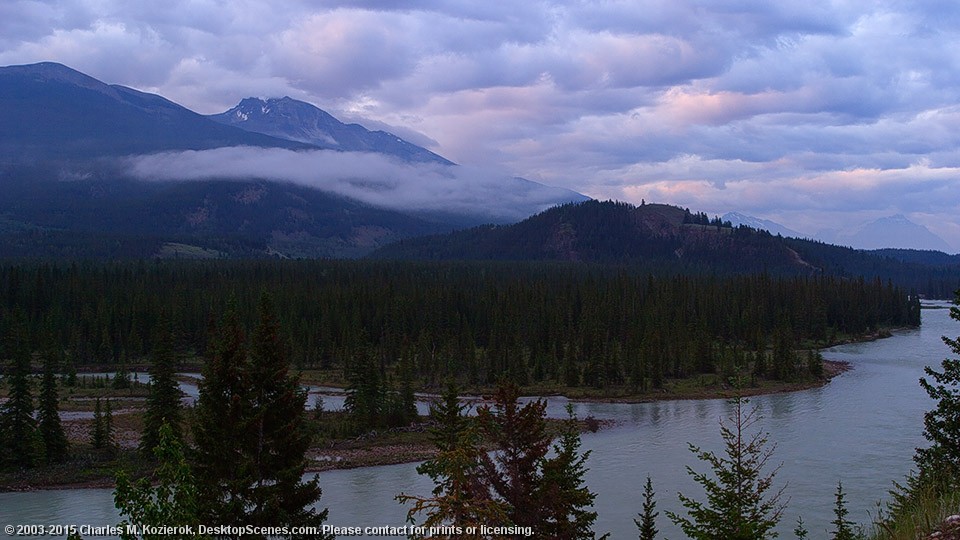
x,y
893,232
608,232
72,180
54,112
106,216
298,121
657,237
774,228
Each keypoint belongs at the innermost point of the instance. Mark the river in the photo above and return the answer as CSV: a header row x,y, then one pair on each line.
x,y
862,428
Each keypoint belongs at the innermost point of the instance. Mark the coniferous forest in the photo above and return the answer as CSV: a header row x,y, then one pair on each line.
x,y
384,328
473,322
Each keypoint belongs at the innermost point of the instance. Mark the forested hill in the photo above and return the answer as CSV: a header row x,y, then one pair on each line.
x,y
605,232
667,237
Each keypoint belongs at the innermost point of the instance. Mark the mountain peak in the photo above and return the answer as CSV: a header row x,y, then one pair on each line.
x,y
299,121
55,112
895,231
46,72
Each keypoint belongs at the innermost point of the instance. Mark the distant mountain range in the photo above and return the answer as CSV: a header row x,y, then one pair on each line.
x,y
66,178
891,232
52,112
67,189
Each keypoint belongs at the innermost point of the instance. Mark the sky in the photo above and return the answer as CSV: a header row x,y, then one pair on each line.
x,y
817,115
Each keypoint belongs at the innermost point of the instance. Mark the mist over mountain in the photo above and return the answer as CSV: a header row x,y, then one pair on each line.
x,y
79,159
475,194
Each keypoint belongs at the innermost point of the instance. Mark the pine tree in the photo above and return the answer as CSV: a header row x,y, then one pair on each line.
x,y
224,473
366,396
51,430
843,528
22,442
940,462
647,524
97,437
565,498
278,434
163,403
738,505
250,431
109,437
518,436
800,531
461,496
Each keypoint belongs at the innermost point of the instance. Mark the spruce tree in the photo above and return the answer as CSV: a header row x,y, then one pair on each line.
x,y
224,473
800,531
739,503
647,524
940,462
51,430
461,496
250,431
163,403
366,400
96,427
22,441
565,498
843,529
277,433
121,377
520,442
109,437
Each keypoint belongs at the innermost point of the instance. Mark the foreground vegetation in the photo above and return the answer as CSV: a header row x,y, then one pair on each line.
x,y
927,503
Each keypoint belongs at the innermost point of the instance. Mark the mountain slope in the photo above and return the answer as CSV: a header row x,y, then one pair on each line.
x,y
109,216
54,112
927,257
294,120
72,154
607,232
655,237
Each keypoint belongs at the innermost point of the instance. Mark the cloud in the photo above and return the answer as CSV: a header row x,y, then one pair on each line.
x,y
608,98
371,178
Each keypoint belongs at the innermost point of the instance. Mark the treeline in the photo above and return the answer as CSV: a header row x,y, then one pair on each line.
x,y
572,324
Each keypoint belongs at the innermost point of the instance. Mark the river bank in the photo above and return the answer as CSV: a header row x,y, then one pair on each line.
x,y
861,429
376,449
